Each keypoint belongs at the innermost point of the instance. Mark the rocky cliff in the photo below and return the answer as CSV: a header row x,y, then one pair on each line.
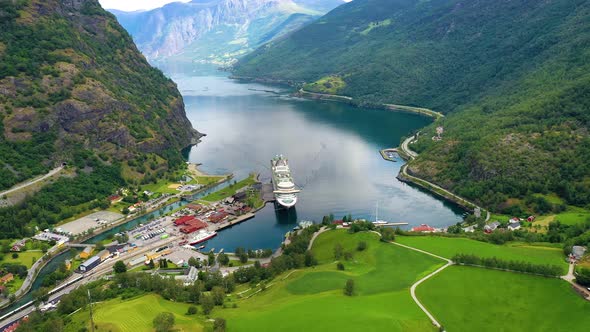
x,y
72,80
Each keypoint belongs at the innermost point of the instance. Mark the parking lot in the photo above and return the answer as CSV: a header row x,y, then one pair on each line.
x,y
94,220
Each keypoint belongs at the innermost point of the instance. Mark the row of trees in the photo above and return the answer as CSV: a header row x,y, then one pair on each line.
x,y
520,266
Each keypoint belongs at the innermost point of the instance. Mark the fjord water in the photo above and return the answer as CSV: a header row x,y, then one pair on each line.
x,y
333,151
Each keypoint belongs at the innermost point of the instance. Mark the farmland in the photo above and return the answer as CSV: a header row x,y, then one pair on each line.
x,y
448,247
475,299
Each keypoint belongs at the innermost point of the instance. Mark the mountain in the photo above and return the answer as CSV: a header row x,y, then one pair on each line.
x,y
73,86
513,75
216,31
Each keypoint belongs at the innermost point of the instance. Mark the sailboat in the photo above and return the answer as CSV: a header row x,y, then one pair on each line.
x,y
378,222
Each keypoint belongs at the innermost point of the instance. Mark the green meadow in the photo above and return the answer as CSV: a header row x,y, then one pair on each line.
x,y
448,247
474,299
135,315
310,299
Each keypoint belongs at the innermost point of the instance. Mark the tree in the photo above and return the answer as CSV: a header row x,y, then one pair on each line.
x,y
119,267
243,258
164,322
387,234
192,310
349,287
211,258
15,255
194,262
223,259
207,303
218,295
219,325
340,266
338,251
362,245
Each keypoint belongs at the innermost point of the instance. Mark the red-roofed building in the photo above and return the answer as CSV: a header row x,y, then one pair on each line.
x,y
216,217
7,278
337,222
115,199
423,229
530,219
183,220
193,226
195,207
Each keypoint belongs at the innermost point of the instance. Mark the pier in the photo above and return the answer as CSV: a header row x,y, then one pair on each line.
x,y
386,154
267,193
393,224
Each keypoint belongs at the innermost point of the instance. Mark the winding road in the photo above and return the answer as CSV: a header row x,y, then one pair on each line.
x,y
413,155
31,182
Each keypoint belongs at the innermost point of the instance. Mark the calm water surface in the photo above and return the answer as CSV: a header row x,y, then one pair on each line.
x,y
333,151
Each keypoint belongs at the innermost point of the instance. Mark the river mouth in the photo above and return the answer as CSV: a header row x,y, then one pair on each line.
x,y
333,152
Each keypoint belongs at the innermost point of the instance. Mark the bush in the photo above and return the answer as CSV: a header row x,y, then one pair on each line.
x,y
192,310
362,245
164,322
219,325
14,255
340,266
349,287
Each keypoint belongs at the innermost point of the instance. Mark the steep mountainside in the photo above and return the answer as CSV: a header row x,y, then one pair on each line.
x,y
73,84
216,31
513,74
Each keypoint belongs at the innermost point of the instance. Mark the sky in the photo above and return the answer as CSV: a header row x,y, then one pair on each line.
x,y
132,5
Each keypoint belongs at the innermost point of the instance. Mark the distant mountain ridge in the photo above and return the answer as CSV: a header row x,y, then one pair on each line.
x,y
216,31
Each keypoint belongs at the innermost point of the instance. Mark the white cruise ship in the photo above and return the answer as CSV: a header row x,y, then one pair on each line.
x,y
282,182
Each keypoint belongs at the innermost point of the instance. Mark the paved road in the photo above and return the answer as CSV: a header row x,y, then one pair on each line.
x,y
417,283
28,183
413,155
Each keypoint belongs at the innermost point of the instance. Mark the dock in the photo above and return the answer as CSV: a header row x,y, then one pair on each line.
x,y
385,153
394,224
267,193
235,221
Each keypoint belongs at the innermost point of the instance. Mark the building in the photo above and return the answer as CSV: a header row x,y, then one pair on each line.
x,y
469,229
91,263
183,220
491,227
218,216
103,255
7,278
192,275
195,207
530,218
512,226
86,252
423,228
68,263
578,252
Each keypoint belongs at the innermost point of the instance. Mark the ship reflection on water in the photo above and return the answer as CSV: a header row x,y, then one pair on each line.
x,y
285,216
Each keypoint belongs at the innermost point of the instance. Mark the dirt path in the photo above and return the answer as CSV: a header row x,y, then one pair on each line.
x,y
417,283
31,182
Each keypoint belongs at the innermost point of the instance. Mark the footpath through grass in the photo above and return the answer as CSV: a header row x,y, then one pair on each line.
x,y
313,300
475,299
448,247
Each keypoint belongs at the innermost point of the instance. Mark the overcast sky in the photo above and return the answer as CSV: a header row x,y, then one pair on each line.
x,y
131,5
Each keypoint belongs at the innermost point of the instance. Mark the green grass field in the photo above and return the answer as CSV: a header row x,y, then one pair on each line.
x,y
25,258
448,247
312,299
135,315
473,299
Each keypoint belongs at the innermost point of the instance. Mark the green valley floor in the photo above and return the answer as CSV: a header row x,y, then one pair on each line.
x,y
312,299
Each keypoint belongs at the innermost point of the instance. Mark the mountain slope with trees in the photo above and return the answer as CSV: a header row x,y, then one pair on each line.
x,y
511,75
73,85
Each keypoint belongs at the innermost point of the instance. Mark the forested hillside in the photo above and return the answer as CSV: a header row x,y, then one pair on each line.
x,y
72,81
513,75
